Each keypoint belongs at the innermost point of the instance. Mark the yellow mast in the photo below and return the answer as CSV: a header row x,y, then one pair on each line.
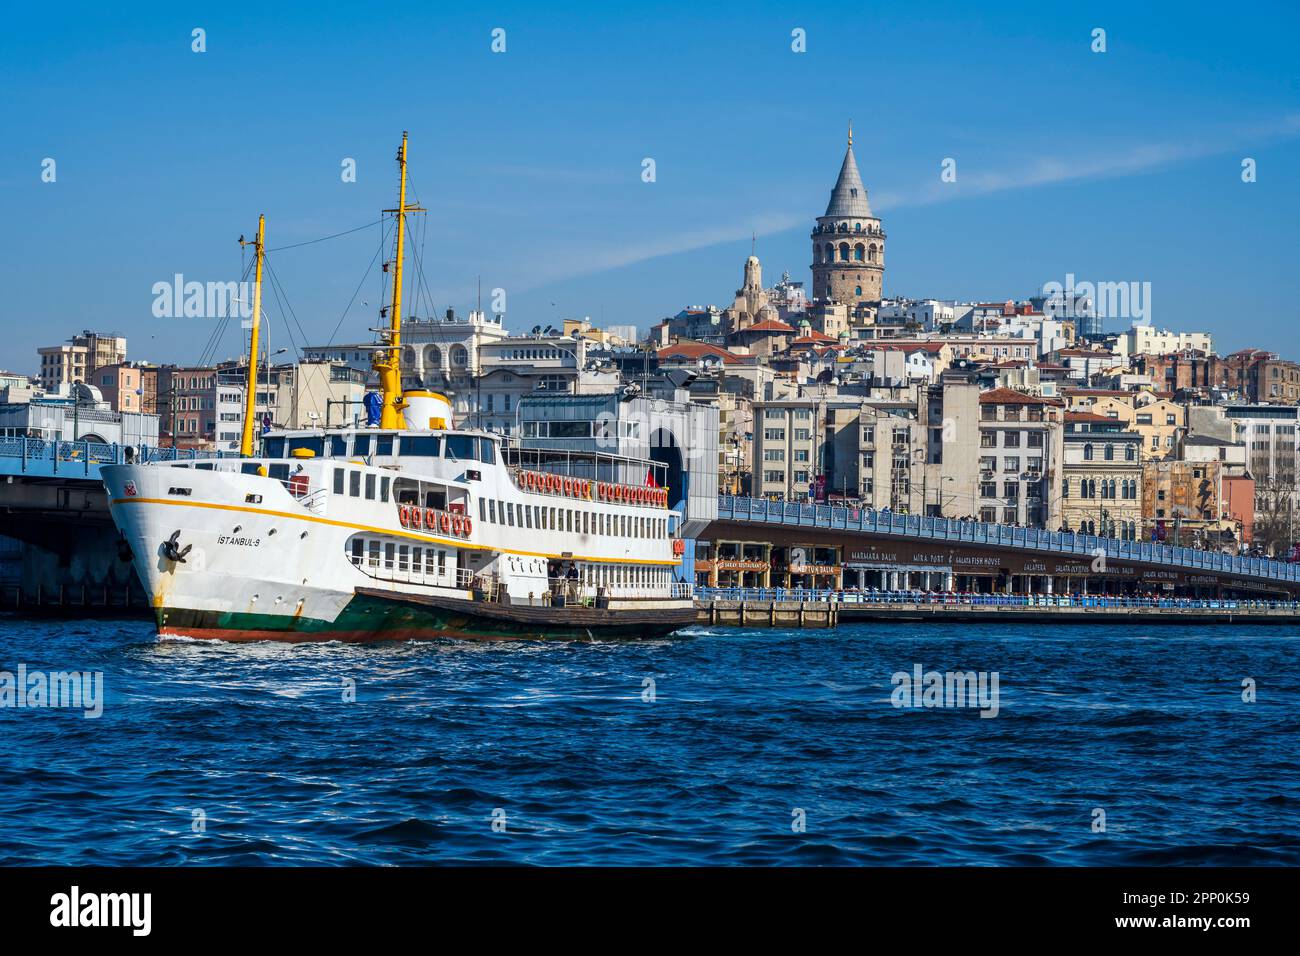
x,y
250,393
387,361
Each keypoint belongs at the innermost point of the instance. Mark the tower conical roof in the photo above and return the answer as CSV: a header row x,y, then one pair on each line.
x,y
849,197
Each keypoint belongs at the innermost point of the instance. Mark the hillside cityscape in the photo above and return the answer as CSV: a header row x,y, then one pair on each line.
x,y
1024,412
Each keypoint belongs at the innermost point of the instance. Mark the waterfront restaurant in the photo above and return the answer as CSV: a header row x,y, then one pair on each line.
x,y
806,566
733,564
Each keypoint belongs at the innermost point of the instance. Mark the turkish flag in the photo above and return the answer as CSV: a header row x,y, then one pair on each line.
x,y
650,478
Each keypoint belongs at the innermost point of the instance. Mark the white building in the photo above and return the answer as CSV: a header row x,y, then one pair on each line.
x,y
1148,340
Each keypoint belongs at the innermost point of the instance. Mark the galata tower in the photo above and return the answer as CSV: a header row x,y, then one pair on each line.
x,y
848,244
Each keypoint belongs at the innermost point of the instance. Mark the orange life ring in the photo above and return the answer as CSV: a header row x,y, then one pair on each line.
x,y
586,489
568,486
600,491
458,525
679,546
404,515
469,526
528,481
430,518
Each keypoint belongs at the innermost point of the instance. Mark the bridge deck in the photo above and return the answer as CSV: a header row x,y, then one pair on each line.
x,y
759,511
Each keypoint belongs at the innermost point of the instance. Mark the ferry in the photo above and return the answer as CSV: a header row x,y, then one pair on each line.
x,y
408,529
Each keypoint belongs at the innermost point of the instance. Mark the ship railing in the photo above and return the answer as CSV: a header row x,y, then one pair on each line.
x,y
299,486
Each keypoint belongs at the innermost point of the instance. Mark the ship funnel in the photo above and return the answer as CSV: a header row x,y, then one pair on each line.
x,y
426,411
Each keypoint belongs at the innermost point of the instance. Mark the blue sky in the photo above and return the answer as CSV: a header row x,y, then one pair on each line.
x,y
1123,165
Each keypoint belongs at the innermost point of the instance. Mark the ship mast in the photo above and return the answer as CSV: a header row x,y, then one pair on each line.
x,y
250,390
387,361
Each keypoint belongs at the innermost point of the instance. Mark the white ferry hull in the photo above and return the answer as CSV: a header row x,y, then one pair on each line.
x,y
263,565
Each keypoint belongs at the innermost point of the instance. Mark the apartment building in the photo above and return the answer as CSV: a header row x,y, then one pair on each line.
x,y
1101,479
1020,447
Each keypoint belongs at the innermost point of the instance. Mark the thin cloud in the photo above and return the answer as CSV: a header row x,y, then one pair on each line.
x,y
1042,171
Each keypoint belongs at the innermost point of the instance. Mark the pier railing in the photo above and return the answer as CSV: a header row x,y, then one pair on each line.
x,y
957,599
838,518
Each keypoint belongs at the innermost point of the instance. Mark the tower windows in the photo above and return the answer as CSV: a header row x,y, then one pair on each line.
x,y
871,253
844,252
858,252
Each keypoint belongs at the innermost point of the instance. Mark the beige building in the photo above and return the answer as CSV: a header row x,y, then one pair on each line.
x,y
80,358
62,365
314,394
1160,421
1101,479
1148,340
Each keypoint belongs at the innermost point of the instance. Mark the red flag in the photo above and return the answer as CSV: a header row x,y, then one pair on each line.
x,y
650,478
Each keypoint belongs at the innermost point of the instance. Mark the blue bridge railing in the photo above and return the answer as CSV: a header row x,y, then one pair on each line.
x,y
1083,546
81,459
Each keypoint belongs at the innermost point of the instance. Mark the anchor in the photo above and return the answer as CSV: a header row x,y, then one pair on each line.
x,y
172,549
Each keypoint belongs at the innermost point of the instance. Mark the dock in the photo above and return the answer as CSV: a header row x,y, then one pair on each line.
x,y
828,609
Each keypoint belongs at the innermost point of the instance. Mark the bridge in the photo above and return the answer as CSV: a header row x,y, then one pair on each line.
x,y
893,552
896,552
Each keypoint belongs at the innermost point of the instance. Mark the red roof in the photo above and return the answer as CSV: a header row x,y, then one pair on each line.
x,y
1088,417
770,325
1009,396
698,350
812,338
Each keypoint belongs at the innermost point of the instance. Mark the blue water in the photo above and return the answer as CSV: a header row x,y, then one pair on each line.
x,y
745,728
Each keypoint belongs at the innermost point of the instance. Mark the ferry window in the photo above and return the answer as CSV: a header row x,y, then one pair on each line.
x,y
370,487
383,488
274,447
357,546
485,452
403,557
338,446
389,550
429,446
442,562
492,510
316,445
383,444
372,554
585,526
354,484
338,480
510,514
417,559
528,515
551,523
361,446
482,509
429,566
460,447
